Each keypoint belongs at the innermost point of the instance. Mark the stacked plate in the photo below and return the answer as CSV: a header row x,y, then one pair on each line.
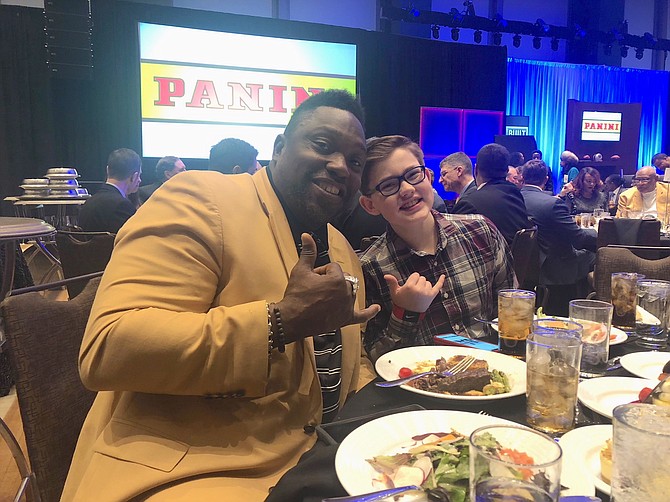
x,y
63,183
35,188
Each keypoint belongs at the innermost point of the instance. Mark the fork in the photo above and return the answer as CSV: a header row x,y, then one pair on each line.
x,y
459,367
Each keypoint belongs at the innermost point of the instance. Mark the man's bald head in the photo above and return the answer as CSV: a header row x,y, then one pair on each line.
x,y
645,179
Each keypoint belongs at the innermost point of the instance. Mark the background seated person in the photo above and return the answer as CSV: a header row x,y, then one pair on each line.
x,y
613,188
218,354
166,168
109,208
569,170
432,273
496,198
456,174
646,197
567,252
584,194
233,156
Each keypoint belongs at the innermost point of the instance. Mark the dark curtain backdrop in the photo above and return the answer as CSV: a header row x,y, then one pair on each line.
x,y
47,122
540,90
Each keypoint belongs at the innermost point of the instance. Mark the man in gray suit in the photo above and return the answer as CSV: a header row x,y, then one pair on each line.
x,y
456,174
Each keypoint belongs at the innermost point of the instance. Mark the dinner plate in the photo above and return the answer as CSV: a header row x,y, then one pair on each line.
x,y
604,394
645,364
581,453
617,335
389,434
389,365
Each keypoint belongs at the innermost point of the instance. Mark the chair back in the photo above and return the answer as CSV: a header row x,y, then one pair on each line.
x,y
629,232
83,253
43,340
621,259
526,254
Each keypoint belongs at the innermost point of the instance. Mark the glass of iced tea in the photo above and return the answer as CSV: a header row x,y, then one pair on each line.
x,y
624,299
516,308
553,356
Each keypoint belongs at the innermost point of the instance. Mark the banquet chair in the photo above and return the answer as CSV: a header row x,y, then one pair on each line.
x,y
612,259
83,253
526,255
629,232
43,337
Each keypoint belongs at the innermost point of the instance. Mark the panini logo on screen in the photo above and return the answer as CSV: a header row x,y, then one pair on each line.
x,y
601,126
199,86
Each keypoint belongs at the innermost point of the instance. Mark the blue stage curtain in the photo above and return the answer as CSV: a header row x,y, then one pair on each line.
x,y
540,90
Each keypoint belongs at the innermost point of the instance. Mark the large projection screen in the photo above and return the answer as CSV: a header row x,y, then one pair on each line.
x,y
199,86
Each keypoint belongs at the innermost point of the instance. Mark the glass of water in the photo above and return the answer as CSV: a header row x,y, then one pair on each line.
x,y
653,300
596,320
640,445
514,463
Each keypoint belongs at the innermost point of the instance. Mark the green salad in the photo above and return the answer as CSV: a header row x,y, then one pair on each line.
x,y
436,459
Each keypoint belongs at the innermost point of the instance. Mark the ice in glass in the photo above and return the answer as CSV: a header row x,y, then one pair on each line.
x,y
516,308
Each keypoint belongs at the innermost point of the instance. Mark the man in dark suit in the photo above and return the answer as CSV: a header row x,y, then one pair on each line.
x,y
495,197
109,208
166,168
567,253
456,174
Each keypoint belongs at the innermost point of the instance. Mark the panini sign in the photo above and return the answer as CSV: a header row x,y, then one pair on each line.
x,y
601,126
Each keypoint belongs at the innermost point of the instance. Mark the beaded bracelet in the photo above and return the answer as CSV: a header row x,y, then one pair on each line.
x,y
278,338
270,334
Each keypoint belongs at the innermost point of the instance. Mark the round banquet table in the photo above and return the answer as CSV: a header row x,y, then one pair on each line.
x,y
314,478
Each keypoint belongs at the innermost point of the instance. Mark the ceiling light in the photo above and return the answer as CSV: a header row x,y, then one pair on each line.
x,y
455,32
497,38
478,37
537,42
436,31
516,40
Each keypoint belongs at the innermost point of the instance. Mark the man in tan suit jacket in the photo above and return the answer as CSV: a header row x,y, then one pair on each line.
x,y
646,196
200,340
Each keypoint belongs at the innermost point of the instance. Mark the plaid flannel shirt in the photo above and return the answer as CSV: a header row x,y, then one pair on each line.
x,y
475,259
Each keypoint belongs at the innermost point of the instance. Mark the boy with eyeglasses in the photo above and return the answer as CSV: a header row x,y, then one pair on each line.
x,y
646,197
431,273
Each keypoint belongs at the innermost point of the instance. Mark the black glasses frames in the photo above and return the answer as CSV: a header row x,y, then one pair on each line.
x,y
391,186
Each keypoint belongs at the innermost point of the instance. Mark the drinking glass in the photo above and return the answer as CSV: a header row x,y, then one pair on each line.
x,y
553,356
624,299
653,298
599,214
639,449
513,463
516,308
586,220
596,320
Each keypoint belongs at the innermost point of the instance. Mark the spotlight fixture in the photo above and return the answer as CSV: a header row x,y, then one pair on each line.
x,y
497,38
554,44
478,36
516,40
455,33
537,42
436,31
639,53
624,51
